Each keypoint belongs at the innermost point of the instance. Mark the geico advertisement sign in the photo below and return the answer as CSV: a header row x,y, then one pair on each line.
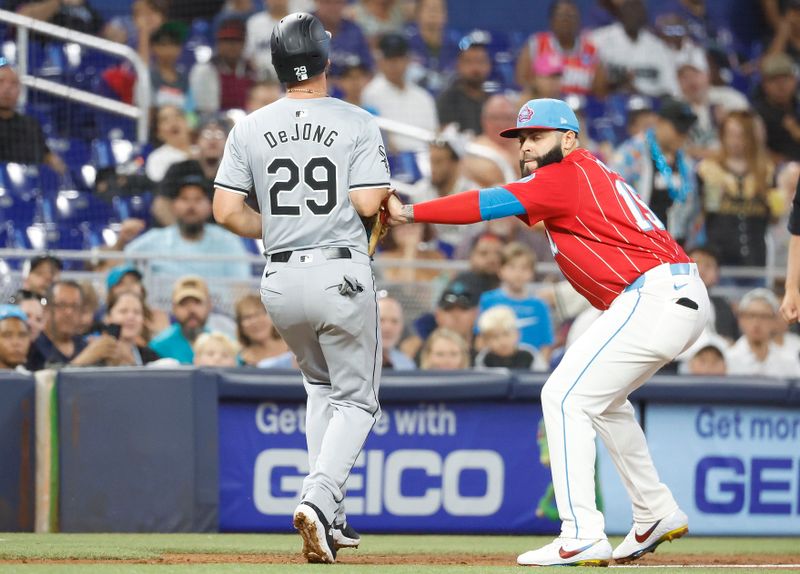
x,y
729,485
381,482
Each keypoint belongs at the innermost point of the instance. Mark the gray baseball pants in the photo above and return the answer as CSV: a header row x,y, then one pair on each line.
x,y
336,339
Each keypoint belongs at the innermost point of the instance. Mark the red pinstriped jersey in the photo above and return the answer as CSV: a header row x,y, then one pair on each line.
x,y
602,234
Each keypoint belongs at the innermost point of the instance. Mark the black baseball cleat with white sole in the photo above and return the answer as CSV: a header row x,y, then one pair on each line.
x,y
318,545
345,536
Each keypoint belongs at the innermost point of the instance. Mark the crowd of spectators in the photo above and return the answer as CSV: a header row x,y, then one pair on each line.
x,y
706,131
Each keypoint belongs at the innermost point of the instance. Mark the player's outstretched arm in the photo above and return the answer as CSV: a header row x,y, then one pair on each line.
x,y
459,209
791,300
232,213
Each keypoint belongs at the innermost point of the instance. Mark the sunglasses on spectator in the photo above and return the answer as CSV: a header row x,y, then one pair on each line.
x,y
26,295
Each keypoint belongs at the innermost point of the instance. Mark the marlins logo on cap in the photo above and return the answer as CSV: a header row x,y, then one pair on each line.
x,y
525,114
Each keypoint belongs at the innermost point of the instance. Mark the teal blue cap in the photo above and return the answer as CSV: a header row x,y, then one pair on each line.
x,y
118,272
544,114
12,312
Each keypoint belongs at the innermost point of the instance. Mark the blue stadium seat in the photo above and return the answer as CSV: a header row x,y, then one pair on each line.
x,y
404,166
128,206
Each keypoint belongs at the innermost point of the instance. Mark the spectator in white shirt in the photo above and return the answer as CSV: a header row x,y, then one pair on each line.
x,y
396,98
172,131
635,58
755,353
259,31
446,178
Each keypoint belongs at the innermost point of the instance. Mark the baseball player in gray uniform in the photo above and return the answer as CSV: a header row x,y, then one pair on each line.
x,y
316,165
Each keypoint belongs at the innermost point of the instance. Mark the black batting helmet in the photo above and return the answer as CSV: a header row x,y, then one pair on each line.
x,y
300,47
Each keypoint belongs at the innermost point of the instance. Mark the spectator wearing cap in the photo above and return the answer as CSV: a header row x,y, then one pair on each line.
x,y
656,164
209,145
563,49
433,45
259,31
32,305
169,80
60,343
635,59
175,142
347,37
709,104
457,311
191,306
738,197
395,98
21,137
498,111
392,325
349,77
191,234
755,353
222,83
446,177
14,337
777,102
127,278
462,101
40,272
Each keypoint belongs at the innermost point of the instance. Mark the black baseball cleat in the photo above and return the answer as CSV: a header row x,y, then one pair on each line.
x,y
318,545
345,536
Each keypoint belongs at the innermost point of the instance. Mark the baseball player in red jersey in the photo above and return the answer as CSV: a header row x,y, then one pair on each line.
x,y
616,253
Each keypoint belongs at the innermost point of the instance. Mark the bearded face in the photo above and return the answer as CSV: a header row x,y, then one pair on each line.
x,y
536,154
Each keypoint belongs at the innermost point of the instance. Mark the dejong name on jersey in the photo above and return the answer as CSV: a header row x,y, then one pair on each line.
x,y
303,132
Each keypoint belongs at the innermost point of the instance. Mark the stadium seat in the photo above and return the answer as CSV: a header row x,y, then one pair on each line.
x,y
404,166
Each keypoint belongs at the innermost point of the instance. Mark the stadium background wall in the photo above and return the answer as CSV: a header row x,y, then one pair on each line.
x,y
199,450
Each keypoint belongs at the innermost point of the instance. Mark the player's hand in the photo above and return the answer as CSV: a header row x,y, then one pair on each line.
x,y
397,213
790,308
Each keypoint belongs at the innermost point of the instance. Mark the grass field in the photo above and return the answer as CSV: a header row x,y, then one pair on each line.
x,y
252,553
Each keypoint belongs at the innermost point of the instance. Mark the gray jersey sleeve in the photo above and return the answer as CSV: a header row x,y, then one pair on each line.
x,y
370,166
234,171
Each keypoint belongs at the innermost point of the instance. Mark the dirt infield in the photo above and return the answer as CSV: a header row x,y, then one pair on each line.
x,y
421,559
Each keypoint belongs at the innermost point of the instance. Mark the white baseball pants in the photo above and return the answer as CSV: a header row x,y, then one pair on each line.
x,y
646,326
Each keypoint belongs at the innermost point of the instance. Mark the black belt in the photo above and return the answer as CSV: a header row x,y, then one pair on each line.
x,y
328,252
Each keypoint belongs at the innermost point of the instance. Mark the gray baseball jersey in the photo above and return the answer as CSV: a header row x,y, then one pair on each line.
x,y
303,157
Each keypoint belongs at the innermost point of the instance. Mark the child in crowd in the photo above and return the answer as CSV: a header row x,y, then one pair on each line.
x,y
215,350
533,316
444,350
708,360
500,337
